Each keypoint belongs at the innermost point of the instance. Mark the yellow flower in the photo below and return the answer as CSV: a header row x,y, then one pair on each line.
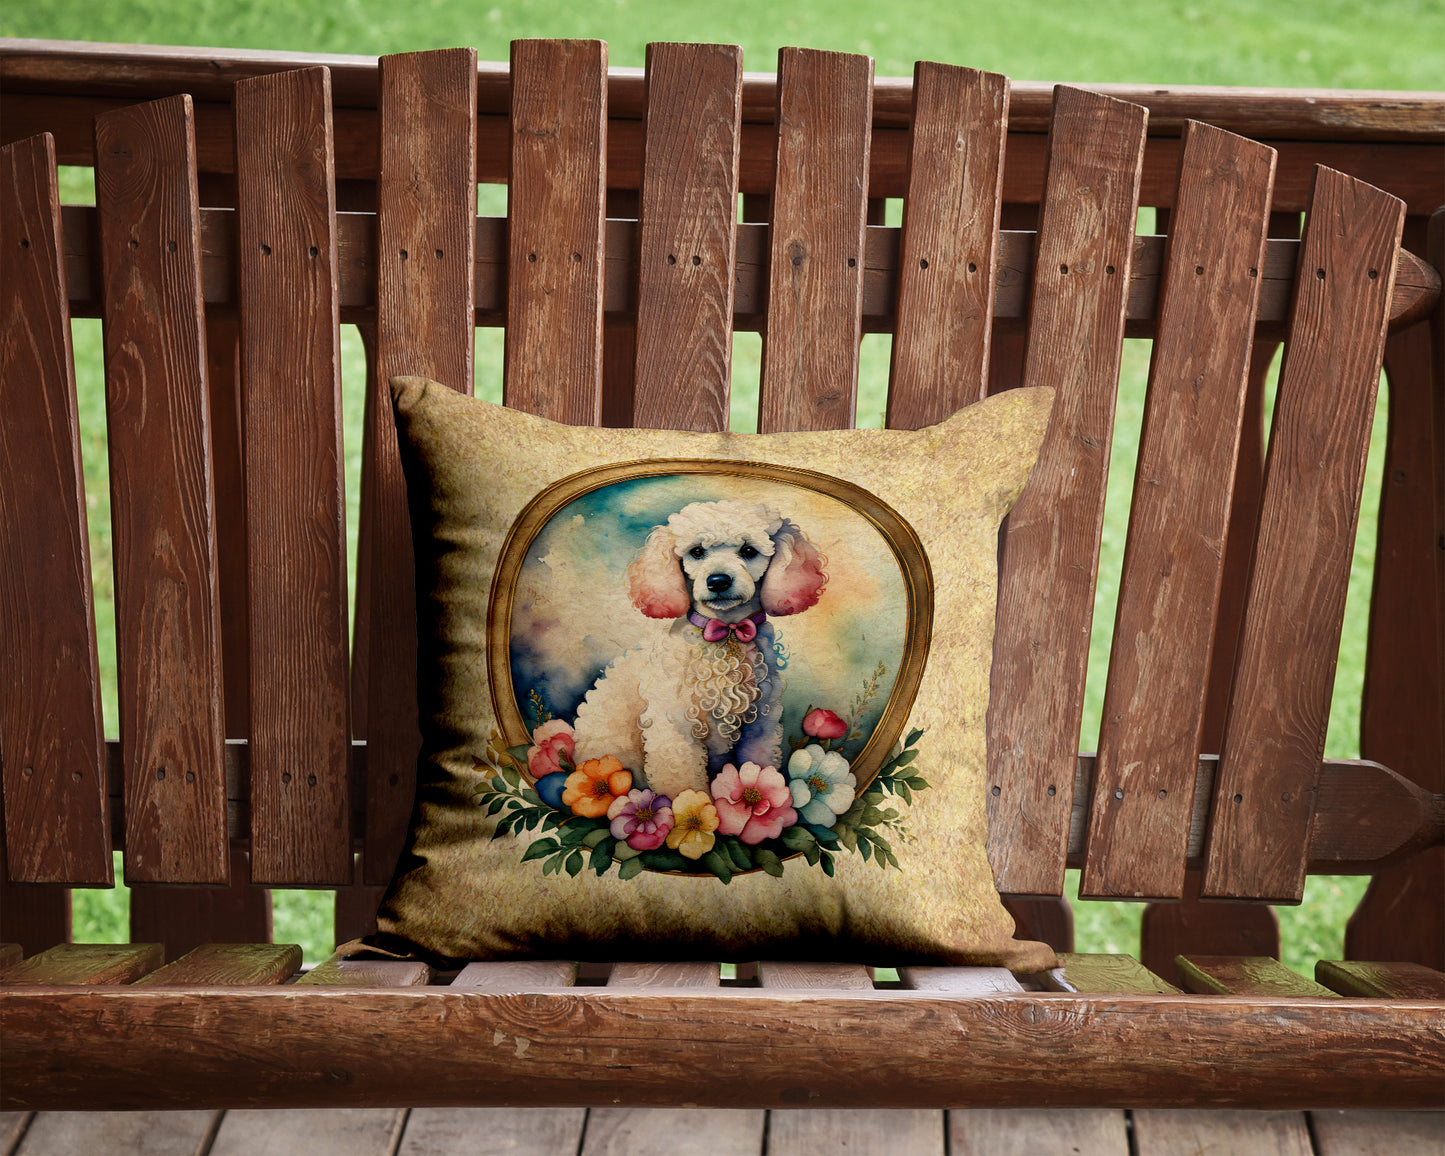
x,y
694,821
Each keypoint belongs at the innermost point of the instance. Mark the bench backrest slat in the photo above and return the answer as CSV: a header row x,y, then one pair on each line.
x,y
426,229
168,638
1051,549
286,237
555,210
687,237
819,213
948,257
1279,709
56,814
1173,561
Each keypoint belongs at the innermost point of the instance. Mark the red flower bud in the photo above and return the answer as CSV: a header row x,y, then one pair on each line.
x,y
824,724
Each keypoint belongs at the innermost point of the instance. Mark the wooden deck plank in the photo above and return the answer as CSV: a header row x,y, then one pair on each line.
x,y
426,224
687,237
1154,700
858,1132
1085,972
515,1131
167,594
57,822
948,250
816,260
518,974
1346,1133
12,1127
85,964
960,980
336,972
228,963
664,975
1033,1131
295,497
120,1133
797,976
1243,975
674,1132
183,918
1275,731
1051,546
1169,1132
1384,980
316,1132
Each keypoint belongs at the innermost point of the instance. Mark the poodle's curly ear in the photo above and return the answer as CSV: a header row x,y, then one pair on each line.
x,y
795,578
654,578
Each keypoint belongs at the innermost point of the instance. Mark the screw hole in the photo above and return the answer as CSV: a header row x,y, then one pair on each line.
x,y
972,268
405,255
310,780
1319,274
76,776
25,242
1163,794
696,260
437,253
797,262
1254,272
265,250
190,776
577,257
1199,270
532,257
1118,793
923,263
313,251
1239,798
852,262
672,259
160,774
170,246
29,772
1374,273
1109,269
286,776
996,792
1063,268
1053,791
134,244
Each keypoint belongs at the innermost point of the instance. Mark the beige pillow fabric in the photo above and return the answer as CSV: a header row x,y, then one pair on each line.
x,y
705,695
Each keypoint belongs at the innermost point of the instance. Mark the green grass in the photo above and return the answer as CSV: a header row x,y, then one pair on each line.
x,y
1315,43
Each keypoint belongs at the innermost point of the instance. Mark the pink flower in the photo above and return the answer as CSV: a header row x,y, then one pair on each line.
x,y
824,724
553,741
642,818
753,803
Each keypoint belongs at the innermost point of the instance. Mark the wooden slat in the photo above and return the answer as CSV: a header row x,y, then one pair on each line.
x,y
426,217
168,631
1030,1131
183,918
1169,1132
86,963
664,975
228,963
1275,732
1193,926
121,1133
517,974
816,259
1243,975
515,1131
959,980
355,912
1154,702
797,976
555,206
1383,980
1051,552
1087,972
880,1132
947,268
300,746
337,972
687,237
33,915
57,827
336,1132
1340,1133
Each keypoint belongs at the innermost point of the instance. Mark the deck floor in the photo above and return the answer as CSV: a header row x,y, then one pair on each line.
x,y
708,1132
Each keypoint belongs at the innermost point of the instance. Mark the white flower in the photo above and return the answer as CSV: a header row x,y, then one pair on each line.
x,y
821,784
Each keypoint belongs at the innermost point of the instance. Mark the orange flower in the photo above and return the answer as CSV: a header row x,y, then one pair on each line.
x,y
591,787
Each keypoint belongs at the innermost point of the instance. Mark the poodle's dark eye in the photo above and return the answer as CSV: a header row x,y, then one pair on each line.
x,y
697,552
748,551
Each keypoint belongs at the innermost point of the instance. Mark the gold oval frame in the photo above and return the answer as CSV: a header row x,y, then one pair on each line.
x,y
896,532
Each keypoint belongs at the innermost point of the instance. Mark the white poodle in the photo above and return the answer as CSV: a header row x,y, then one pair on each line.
x,y
704,691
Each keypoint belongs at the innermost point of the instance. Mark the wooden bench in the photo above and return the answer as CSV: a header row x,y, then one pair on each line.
x,y
247,203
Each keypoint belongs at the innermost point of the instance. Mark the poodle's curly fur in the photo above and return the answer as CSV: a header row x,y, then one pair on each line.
x,y
680,707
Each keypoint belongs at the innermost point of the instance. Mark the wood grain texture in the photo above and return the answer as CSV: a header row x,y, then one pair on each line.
x,y
337,1132
228,963
679,1131
795,976
167,617
1383,980
426,218
70,964
34,915
295,500
1169,1132
183,918
879,1132
947,267
516,1131
687,237
120,1133
1275,731
816,259
555,206
13,1126
1050,556
336,972
1154,700
664,975
1342,1133
57,823
292,1046
1029,1131
518,974
1243,975
959,980
1087,972
1190,926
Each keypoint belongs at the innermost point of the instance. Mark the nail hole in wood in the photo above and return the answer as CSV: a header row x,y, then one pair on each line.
x,y
696,260
672,259
170,246
133,243
1163,794
1063,268
437,253
1254,272
532,257
28,772
310,780
577,257
1374,273
404,254
995,792
1118,793
1109,269
1319,274
1053,791
25,242
76,776
852,262
313,251
1199,270
972,268
286,776
923,263
160,774
265,250
1239,798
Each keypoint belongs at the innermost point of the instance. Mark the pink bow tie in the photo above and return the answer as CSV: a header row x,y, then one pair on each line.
x,y
715,631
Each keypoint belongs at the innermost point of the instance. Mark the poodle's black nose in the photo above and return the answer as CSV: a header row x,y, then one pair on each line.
x,y
717,583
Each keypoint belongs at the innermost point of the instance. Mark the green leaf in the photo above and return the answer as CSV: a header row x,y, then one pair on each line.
x,y
593,838
532,797
799,839
918,783
812,854
574,833
666,859
769,862
848,836
881,843
504,826
519,753
539,849
574,863
865,848
718,864
630,868
602,856
827,861
913,737
905,758
905,794
497,803
824,835
552,866
738,853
